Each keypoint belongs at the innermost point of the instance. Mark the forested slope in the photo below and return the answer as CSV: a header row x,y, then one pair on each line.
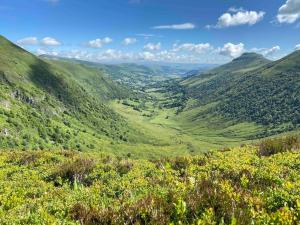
x,y
252,89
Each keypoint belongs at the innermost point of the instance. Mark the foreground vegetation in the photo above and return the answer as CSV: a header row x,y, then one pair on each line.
x,y
245,185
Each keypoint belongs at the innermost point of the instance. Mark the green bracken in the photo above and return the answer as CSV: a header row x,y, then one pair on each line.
x,y
236,186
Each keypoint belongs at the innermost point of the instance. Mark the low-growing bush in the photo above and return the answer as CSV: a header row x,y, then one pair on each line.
x,y
273,146
68,187
76,169
149,210
124,166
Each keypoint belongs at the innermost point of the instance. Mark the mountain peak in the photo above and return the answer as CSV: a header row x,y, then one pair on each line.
x,y
246,61
250,56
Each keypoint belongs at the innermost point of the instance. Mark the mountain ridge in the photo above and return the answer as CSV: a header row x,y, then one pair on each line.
x,y
267,94
51,106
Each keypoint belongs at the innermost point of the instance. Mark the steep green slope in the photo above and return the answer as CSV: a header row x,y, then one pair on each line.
x,y
247,61
94,80
241,91
212,84
42,106
132,75
269,95
242,64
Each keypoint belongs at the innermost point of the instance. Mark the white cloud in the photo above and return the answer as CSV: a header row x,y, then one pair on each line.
x,y
98,43
113,55
148,56
179,53
197,48
129,41
266,51
49,41
152,47
271,51
237,17
232,50
297,47
146,35
235,10
289,12
184,26
28,41
41,51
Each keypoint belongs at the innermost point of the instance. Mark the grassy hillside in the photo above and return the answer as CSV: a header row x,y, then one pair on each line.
x,y
250,89
64,105
244,185
94,80
131,75
42,106
242,64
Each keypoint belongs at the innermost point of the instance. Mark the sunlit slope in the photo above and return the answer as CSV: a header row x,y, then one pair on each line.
x,y
94,80
244,63
41,105
241,91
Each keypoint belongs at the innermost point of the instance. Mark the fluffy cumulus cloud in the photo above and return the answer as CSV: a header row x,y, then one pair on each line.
x,y
232,50
28,41
237,17
197,48
152,47
266,51
297,47
183,26
41,51
98,43
114,55
47,41
167,56
147,56
178,53
129,41
289,12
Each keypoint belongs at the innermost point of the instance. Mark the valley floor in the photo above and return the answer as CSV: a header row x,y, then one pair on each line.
x,y
166,132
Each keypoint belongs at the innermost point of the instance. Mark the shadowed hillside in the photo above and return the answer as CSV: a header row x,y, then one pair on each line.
x,y
42,105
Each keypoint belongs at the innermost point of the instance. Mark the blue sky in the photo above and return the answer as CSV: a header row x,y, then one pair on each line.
x,y
190,31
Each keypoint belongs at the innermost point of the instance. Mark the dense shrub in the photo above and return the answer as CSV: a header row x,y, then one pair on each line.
x,y
149,210
278,145
124,166
232,187
75,169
